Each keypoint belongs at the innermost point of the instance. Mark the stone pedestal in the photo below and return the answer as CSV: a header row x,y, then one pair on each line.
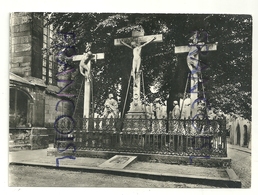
x,y
137,109
138,117
39,138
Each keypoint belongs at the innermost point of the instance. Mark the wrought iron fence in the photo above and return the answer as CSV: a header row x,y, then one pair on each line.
x,y
161,136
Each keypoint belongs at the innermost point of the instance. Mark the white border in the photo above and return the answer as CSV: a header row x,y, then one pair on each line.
x,y
134,6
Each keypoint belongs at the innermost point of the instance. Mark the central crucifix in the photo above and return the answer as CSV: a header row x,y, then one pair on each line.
x,y
135,43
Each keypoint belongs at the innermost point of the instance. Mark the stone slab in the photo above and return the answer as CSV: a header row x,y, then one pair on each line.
x,y
160,158
232,175
118,162
212,181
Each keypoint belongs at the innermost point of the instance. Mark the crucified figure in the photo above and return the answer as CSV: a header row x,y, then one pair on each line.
x,y
137,48
84,65
84,62
193,55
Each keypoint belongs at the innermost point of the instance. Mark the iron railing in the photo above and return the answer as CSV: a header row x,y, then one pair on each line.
x,y
161,136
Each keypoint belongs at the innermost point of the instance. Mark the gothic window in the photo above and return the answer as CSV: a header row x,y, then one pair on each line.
x,y
49,64
20,109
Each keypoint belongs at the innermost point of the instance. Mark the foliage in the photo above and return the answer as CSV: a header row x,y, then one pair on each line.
x,y
227,71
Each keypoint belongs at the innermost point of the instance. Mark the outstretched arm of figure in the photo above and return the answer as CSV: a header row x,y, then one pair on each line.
x,y
125,44
148,42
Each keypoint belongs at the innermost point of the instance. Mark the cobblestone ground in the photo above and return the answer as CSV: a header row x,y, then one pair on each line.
x,y
241,163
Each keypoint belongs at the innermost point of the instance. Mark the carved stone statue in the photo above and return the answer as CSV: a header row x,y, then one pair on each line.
x,y
84,65
111,107
137,48
193,55
175,111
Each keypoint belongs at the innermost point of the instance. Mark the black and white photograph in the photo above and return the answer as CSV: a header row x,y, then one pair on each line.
x,y
130,100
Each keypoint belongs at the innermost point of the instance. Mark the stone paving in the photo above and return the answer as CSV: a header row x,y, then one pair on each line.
x,y
26,176
241,163
39,156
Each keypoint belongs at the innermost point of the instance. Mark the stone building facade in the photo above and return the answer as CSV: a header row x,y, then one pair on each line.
x,y
33,87
239,131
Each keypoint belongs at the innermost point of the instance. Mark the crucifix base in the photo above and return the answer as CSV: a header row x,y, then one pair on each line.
x,y
136,112
135,115
137,109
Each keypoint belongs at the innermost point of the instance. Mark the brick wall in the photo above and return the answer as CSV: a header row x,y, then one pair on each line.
x,y
38,111
21,44
26,33
50,105
51,114
233,124
26,42
37,44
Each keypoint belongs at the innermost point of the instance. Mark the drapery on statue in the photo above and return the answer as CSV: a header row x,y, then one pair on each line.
x,y
137,48
177,125
175,111
192,57
111,107
84,65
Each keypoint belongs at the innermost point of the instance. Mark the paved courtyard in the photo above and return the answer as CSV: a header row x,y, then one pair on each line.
x,y
25,176
28,176
241,163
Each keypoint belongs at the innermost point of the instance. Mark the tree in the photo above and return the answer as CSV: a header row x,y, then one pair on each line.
x,y
227,71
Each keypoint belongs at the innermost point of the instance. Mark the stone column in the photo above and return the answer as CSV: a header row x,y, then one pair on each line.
x,y
136,107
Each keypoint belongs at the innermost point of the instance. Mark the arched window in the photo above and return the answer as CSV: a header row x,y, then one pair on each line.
x,y
20,108
245,135
238,134
49,63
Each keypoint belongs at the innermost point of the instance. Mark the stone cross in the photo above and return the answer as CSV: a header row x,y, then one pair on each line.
x,y
134,43
193,50
87,57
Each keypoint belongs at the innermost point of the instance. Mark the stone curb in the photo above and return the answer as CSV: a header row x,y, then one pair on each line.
x,y
161,158
232,182
241,149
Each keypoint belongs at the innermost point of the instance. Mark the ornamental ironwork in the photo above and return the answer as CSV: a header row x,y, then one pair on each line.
x,y
158,136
